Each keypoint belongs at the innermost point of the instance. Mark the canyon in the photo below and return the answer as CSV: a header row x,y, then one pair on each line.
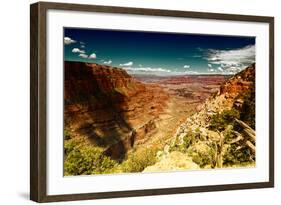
x,y
106,107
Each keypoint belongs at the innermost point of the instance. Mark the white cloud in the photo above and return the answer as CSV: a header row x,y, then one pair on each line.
x,y
82,46
93,56
82,55
127,64
147,70
220,69
186,66
157,71
68,40
77,50
191,72
210,65
107,62
231,61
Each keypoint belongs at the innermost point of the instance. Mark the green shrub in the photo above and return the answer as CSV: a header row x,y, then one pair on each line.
x,y
84,159
187,140
228,134
222,120
67,135
237,155
203,157
69,146
138,161
190,138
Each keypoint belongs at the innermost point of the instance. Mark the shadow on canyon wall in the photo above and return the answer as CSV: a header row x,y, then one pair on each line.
x,y
94,107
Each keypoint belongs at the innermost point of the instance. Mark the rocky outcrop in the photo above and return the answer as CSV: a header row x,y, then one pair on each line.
x,y
231,94
108,107
211,147
173,161
83,81
239,83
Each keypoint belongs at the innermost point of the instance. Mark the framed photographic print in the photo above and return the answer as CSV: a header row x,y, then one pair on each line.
x,y
134,102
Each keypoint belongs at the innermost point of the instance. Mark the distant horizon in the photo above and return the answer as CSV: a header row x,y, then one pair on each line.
x,y
159,53
156,75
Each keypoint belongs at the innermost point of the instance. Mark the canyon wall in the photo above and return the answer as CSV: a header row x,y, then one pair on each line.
x,y
108,107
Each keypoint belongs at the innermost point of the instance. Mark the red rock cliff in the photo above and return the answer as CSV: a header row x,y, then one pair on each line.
x,y
239,83
109,107
84,81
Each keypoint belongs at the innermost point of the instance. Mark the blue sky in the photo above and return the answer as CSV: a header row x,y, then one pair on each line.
x,y
160,53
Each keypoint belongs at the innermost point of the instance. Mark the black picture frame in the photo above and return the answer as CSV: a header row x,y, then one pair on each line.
x,y
38,102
